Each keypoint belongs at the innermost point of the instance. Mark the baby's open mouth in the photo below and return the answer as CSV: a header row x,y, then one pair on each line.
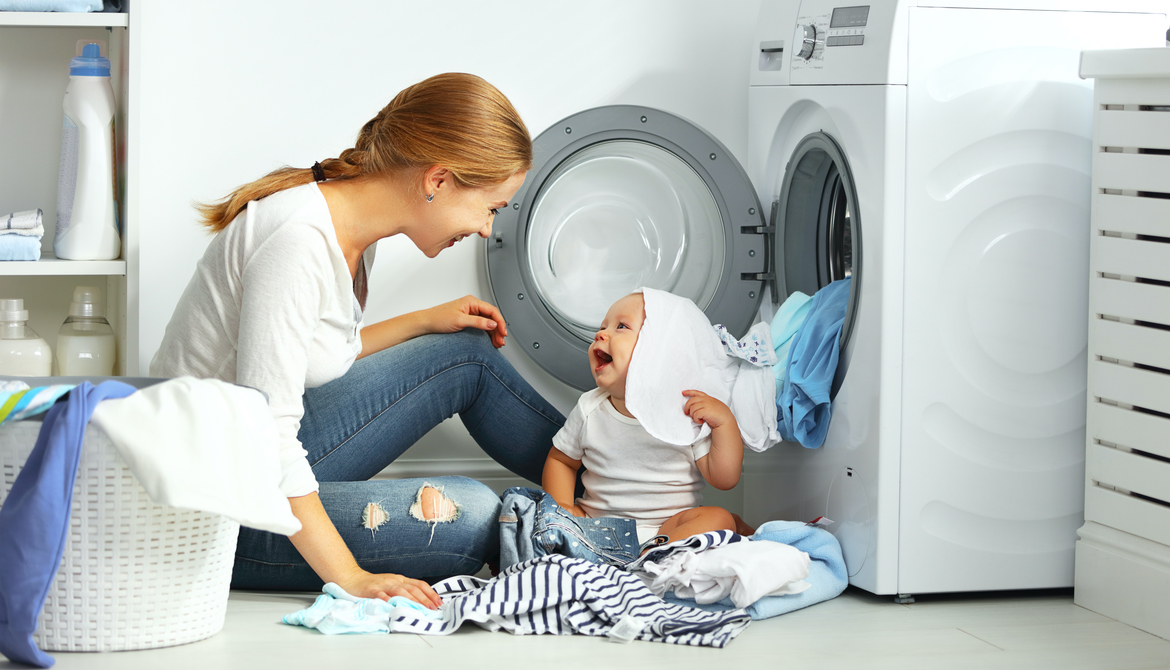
x,y
602,357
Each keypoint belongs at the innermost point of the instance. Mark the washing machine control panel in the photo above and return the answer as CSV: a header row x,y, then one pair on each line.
x,y
838,27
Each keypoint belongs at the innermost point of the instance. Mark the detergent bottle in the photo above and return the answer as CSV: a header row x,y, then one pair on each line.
x,y
22,352
87,224
85,343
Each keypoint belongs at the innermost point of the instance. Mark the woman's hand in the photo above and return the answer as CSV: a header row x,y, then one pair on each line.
x,y
467,312
383,587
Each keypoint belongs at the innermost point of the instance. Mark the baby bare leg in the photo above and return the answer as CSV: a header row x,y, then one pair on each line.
x,y
698,520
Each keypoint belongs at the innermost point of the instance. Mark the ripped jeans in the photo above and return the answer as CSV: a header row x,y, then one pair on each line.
x,y
357,424
532,524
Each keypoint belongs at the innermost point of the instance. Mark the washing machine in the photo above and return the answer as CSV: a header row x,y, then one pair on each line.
x,y
938,157
955,456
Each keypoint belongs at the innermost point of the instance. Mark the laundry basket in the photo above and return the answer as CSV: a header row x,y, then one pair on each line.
x,y
133,575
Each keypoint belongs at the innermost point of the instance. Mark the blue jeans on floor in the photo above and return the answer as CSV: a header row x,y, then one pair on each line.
x,y
356,425
532,524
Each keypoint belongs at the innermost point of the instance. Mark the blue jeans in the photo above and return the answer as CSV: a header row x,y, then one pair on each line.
x,y
532,524
356,425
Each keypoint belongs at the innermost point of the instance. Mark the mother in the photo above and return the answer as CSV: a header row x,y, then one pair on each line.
x,y
276,304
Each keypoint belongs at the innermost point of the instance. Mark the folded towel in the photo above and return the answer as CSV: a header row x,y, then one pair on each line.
x,y
678,349
27,223
50,5
20,248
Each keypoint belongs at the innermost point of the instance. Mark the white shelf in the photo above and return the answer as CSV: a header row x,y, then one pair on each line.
x,y
50,265
65,19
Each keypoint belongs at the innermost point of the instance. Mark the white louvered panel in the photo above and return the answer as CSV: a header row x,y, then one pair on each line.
x,y
1132,515
1129,428
1139,129
1131,214
1132,472
1141,172
1136,344
1137,258
1130,92
1130,300
1133,386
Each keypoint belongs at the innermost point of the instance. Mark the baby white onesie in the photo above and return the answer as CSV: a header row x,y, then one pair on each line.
x,y
630,473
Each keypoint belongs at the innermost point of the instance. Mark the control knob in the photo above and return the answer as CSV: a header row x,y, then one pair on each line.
x,y
805,41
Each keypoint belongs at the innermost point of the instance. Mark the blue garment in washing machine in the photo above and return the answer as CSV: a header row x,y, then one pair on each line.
x,y
532,524
803,407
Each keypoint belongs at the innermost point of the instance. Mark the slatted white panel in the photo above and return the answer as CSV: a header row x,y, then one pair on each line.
x,y
1125,342
1130,428
1137,129
1129,363
1138,258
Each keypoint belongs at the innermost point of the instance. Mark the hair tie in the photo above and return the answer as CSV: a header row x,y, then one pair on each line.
x,y
318,172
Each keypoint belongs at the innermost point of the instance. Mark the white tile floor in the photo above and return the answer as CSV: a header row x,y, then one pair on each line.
x,y
1033,630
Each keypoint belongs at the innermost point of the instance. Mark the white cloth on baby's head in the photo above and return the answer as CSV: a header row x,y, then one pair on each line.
x,y
678,349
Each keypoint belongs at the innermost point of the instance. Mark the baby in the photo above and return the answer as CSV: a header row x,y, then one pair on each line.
x,y
630,473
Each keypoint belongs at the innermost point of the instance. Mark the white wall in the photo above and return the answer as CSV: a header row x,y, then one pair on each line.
x,y
228,91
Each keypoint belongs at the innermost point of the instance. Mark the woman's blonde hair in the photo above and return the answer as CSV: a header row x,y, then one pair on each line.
x,y
455,120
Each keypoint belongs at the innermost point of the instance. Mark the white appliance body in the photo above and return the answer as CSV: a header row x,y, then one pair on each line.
x,y
955,456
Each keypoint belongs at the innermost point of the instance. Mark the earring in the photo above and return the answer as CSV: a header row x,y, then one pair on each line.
x,y
430,197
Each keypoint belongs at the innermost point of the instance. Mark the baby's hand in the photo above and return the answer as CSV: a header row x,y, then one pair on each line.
x,y
702,408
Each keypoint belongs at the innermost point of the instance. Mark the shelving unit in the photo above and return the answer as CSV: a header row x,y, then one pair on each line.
x,y
35,50
1123,554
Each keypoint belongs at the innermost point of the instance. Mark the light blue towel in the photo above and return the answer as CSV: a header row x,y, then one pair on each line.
x,y
826,571
787,321
803,409
338,613
50,5
20,248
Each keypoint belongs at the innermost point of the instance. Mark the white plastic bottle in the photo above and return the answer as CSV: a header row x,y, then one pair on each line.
x,y
85,343
22,352
87,224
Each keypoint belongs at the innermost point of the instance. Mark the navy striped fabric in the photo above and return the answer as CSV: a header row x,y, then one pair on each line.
x,y
564,596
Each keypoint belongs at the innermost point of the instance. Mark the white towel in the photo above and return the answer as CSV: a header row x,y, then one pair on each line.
x,y
203,444
678,349
27,223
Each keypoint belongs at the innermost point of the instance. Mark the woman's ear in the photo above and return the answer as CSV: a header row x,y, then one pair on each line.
x,y
436,178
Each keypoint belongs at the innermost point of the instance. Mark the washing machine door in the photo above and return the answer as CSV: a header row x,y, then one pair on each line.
x,y
618,198
817,226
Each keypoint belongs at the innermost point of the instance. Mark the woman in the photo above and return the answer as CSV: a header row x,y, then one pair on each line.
x,y
276,304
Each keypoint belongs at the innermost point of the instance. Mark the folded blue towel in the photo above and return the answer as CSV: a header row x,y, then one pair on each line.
x,y
787,321
50,5
826,571
20,248
803,409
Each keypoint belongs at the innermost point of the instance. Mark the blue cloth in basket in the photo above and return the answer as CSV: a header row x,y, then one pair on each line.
x,y
34,521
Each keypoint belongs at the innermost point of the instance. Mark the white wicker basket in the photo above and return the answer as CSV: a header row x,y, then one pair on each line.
x,y
134,575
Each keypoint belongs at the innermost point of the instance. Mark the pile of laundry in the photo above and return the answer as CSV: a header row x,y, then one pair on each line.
x,y
701,591
20,236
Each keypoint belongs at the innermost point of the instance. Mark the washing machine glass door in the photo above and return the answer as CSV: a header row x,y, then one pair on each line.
x,y
818,231
619,198
615,216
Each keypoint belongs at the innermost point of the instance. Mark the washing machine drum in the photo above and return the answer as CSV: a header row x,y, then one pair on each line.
x,y
618,198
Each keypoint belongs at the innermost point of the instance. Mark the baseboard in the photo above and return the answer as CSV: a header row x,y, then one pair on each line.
x,y
1124,577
